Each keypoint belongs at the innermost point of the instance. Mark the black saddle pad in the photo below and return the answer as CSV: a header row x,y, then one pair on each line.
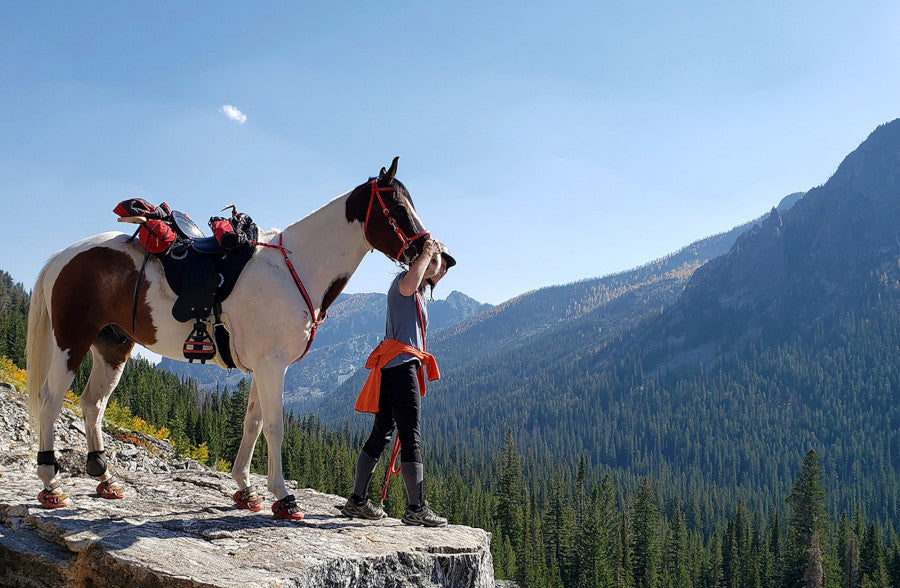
x,y
199,279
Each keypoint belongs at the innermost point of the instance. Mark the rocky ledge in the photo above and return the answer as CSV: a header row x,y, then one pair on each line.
x,y
178,528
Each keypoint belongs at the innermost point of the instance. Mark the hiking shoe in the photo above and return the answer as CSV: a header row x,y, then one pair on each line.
x,y
362,510
423,516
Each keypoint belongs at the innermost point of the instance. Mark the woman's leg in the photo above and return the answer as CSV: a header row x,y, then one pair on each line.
x,y
382,431
402,385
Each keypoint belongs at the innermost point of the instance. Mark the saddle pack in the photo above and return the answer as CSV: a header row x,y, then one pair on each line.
x,y
200,270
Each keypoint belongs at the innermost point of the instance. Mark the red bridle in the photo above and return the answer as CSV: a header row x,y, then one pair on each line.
x,y
405,241
404,244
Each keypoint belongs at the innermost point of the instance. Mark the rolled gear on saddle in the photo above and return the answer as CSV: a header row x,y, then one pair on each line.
x,y
234,232
140,207
155,232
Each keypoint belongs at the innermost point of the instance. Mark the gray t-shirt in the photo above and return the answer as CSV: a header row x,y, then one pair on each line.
x,y
402,321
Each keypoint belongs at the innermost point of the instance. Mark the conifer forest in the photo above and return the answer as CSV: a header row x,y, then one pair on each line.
x,y
564,518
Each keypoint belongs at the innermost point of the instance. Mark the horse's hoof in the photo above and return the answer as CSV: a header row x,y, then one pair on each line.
x,y
248,499
110,489
56,499
287,508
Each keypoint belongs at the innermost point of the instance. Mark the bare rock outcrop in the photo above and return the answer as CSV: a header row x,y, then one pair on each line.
x,y
176,527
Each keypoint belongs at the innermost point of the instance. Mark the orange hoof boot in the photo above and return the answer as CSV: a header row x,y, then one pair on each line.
x,y
53,499
248,499
287,508
110,489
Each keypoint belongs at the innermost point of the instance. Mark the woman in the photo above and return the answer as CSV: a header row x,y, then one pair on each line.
x,y
394,386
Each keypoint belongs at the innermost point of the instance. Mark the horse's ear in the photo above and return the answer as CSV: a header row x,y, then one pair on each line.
x,y
388,176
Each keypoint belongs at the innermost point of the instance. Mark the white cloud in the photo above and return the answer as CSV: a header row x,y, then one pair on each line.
x,y
234,114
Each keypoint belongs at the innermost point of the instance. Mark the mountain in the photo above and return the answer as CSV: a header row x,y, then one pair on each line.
x,y
354,326
542,324
787,342
833,253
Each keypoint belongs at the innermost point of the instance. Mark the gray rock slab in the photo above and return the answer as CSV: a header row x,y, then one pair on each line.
x,y
179,528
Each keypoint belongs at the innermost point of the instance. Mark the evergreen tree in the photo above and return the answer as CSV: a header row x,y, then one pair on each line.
x,y
814,575
676,552
235,411
510,491
807,517
645,522
624,573
894,567
609,518
558,525
872,563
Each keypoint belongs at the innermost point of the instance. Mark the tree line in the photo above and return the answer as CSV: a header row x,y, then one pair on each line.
x,y
561,518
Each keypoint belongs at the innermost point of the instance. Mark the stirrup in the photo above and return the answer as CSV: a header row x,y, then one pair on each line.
x,y
287,508
248,499
199,345
111,489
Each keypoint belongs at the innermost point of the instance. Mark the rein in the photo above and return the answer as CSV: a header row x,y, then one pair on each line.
x,y
312,312
405,241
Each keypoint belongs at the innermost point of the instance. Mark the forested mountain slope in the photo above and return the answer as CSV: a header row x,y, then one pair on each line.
x,y
789,342
543,323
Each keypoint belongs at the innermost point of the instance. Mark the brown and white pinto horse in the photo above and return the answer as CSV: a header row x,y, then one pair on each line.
x,y
83,301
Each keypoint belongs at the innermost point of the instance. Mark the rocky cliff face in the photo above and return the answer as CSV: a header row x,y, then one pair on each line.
x,y
836,251
176,527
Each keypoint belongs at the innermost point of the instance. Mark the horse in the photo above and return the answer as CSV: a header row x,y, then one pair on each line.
x,y
92,297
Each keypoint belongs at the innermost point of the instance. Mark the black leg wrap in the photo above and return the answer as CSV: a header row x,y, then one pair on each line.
x,y
96,463
48,458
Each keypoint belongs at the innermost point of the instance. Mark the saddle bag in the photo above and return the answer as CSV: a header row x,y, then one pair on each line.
x,y
235,231
156,236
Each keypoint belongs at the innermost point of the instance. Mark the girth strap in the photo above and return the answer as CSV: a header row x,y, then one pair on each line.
x,y
137,290
221,335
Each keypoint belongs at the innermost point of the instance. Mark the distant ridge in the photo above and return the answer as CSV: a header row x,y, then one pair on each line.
x,y
593,309
354,327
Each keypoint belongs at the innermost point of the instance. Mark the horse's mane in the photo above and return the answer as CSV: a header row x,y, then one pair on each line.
x,y
267,236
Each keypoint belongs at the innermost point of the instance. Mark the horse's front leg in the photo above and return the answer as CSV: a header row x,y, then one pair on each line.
x,y
270,382
247,496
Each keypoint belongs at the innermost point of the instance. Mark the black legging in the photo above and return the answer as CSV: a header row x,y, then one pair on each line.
x,y
400,404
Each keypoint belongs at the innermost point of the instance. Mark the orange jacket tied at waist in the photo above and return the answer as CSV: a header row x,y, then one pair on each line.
x,y
380,356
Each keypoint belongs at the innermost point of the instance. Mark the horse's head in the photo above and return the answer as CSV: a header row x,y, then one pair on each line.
x,y
390,222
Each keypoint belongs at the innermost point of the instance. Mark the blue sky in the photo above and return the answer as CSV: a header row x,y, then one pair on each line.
x,y
544,142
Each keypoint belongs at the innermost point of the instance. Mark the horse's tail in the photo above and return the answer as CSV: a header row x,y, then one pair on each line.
x,y
38,351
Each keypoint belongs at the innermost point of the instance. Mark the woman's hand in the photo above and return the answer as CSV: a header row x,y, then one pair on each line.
x,y
413,278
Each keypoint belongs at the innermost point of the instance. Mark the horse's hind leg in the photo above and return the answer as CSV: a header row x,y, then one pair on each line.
x,y
109,352
51,396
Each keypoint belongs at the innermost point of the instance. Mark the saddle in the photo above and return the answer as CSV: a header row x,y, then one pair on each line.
x,y
200,270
